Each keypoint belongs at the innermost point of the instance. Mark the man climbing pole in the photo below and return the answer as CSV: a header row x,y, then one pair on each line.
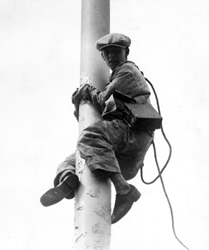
x,y
111,147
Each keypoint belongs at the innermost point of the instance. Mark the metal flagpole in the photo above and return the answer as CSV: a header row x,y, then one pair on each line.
x,y
93,198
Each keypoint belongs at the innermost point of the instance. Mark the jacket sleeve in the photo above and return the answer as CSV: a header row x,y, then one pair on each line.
x,y
119,83
130,81
126,81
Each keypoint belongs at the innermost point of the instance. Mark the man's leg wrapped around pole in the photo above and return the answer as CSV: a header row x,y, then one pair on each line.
x,y
104,145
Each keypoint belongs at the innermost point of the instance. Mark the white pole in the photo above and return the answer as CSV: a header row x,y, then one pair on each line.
x,y
93,198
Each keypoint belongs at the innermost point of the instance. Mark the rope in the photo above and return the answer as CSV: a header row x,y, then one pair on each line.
x,y
161,171
164,135
168,200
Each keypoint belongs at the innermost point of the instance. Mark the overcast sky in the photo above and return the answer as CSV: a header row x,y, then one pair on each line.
x,y
39,70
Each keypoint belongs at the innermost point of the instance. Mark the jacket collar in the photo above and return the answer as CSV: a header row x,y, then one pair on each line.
x,y
118,67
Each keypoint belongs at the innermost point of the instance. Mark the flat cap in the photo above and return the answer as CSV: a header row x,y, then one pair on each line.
x,y
113,39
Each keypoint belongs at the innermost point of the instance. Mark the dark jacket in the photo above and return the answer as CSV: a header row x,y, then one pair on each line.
x,y
126,78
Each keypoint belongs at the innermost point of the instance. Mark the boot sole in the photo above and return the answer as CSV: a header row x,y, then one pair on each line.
x,y
55,195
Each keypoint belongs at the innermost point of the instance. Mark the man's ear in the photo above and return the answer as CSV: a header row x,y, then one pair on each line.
x,y
127,51
102,55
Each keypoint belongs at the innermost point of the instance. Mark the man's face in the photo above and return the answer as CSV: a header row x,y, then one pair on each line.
x,y
113,56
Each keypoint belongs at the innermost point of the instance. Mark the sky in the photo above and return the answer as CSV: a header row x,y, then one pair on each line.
x,y
39,70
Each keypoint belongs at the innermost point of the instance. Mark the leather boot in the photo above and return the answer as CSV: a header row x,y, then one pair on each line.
x,y
64,190
123,203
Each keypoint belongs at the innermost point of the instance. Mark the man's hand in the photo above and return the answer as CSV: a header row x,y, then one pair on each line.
x,y
82,93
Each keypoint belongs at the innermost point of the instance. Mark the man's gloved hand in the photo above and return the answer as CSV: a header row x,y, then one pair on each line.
x,y
82,93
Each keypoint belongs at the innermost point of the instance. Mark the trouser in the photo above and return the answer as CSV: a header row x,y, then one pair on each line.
x,y
109,146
